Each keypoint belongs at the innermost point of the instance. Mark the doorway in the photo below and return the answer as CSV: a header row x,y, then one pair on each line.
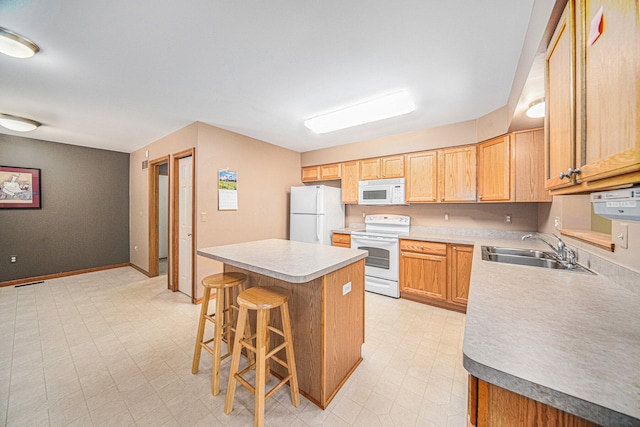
x,y
158,214
183,224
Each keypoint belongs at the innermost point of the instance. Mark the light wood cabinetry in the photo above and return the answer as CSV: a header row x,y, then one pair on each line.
x,y
592,89
382,167
435,273
490,405
528,163
423,269
457,174
341,239
321,173
422,177
350,178
460,257
311,173
495,170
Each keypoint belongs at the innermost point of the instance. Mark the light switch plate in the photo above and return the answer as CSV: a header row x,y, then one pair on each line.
x,y
620,234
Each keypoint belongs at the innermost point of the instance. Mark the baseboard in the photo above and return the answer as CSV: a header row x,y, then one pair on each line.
x,y
67,273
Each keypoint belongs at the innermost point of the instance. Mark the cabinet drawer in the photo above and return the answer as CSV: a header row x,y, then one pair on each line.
x,y
339,239
419,246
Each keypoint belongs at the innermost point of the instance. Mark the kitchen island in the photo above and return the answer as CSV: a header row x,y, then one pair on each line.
x,y
326,288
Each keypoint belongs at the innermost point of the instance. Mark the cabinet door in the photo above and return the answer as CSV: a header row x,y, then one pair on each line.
x,y
350,180
341,239
330,171
424,275
311,173
559,98
422,177
392,167
608,99
528,150
457,174
460,258
370,169
494,170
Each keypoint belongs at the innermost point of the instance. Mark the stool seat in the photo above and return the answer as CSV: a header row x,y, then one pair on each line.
x,y
223,320
224,280
262,300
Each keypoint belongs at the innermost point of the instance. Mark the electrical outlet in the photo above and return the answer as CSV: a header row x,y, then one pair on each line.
x,y
556,223
508,219
620,234
446,217
346,288
14,258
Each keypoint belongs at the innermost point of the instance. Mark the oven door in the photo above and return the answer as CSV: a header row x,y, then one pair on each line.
x,y
382,261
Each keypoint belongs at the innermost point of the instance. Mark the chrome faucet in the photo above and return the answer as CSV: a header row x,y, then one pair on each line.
x,y
562,251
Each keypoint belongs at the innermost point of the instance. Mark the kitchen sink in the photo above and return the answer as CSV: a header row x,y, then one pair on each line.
x,y
529,253
528,257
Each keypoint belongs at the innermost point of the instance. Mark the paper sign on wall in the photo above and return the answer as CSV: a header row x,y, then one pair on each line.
x,y
597,26
227,190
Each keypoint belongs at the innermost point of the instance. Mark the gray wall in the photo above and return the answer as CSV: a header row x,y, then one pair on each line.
x,y
84,220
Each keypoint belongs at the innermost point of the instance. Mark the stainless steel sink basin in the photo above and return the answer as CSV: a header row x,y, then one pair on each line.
x,y
528,257
520,252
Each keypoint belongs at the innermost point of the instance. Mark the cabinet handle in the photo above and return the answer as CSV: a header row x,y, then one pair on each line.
x,y
455,249
479,197
442,199
422,248
434,199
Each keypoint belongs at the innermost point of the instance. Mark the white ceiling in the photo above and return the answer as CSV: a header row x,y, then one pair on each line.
x,y
121,74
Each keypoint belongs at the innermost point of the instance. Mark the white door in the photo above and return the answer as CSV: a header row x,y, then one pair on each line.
x,y
185,227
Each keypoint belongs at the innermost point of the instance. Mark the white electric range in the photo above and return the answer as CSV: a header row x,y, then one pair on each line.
x,y
381,239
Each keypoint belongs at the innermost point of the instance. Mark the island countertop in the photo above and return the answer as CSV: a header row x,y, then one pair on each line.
x,y
294,262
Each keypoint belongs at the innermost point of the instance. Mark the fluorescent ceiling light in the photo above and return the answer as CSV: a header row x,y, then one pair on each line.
x,y
19,124
387,106
536,109
15,45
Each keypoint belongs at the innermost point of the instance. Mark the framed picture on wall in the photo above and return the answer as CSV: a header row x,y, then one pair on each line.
x,y
19,188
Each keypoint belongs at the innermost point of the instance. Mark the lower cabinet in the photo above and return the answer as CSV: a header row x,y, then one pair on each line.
x,y
341,239
435,273
490,405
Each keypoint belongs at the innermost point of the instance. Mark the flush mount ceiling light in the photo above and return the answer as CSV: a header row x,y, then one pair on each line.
x,y
536,109
384,107
19,124
15,45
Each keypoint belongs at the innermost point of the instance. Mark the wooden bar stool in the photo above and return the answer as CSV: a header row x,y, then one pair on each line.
x,y
262,299
222,318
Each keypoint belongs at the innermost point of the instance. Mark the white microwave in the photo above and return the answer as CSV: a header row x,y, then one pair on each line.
x,y
381,192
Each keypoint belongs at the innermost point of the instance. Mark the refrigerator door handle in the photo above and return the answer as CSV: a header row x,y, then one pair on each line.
x,y
318,228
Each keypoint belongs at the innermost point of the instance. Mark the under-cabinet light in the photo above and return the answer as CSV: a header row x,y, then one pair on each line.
x,y
384,107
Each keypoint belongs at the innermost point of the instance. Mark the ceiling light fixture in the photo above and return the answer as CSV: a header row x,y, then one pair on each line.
x,y
536,109
15,45
19,124
392,105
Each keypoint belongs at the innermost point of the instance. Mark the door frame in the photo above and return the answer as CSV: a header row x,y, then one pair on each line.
x,y
154,213
175,221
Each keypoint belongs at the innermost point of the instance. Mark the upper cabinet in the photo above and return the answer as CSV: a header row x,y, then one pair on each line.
x,y
350,178
457,174
495,170
382,167
592,97
422,177
528,165
321,173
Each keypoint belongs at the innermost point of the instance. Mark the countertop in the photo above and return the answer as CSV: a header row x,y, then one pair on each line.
x,y
294,262
568,339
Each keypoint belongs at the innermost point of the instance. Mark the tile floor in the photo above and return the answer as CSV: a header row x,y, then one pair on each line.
x,y
114,348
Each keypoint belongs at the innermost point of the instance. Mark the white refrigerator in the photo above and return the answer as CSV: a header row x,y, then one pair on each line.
x,y
315,211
